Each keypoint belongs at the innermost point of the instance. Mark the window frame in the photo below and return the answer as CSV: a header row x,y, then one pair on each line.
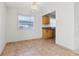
x,y
18,26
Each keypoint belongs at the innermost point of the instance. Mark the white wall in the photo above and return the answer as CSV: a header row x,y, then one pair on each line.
x,y
76,22
65,23
14,34
2,26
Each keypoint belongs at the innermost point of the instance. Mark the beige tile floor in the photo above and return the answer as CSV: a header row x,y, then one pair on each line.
x,y
36,47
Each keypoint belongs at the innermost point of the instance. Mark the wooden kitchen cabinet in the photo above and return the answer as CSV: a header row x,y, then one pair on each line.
x,y
48,33
45,20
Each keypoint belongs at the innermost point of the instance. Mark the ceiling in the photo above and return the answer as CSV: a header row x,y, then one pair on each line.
x,y
42,6
24,4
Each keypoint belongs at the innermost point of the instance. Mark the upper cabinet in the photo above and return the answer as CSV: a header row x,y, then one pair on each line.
x,y
45,20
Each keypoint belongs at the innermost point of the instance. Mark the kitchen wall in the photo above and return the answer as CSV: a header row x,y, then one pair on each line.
x,y
64,22
15,34
3,12
53,22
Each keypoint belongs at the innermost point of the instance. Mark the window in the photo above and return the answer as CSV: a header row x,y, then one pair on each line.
x,y
25,22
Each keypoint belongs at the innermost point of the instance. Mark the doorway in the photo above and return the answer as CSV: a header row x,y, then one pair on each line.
x,y
49,26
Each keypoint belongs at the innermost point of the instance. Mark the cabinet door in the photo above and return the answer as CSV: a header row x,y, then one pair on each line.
x,y
47,33
45,20
44,33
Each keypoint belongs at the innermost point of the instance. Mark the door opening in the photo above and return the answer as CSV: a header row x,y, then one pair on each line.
x,y
49,26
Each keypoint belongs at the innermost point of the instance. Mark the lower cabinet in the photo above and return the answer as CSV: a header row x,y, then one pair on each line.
x,y
48,33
